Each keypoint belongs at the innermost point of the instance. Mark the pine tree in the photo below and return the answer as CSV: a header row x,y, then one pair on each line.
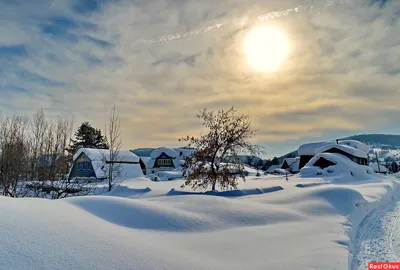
x,y
87,137
394,167
275,161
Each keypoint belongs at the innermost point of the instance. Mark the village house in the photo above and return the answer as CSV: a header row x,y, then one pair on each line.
x,y
353,150
291,164
166,159
307,152
272,168
93,163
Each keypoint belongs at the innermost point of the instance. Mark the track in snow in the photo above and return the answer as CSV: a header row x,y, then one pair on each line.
x,y
378,238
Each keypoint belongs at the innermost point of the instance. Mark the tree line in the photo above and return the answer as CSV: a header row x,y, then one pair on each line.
x,y
36,154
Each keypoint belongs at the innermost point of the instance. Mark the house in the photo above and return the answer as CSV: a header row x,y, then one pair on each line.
x,y
356,155
355,150
307,152
378,169
143,162
93,163
167,159
291,164
163,159
330,154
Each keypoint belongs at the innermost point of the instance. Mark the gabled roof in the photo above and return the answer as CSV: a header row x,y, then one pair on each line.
x,y
104,154
308,149
356,144
168,151
293,163
345,148
99,156
273,167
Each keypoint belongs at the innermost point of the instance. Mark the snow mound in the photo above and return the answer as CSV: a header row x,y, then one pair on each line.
x,y
126,192
343,170
229,193
184,214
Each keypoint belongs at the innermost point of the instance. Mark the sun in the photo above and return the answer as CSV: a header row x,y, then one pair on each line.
x,y
266,47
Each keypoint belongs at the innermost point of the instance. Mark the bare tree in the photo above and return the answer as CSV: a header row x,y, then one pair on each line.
x,y
14,155
114,141
216,160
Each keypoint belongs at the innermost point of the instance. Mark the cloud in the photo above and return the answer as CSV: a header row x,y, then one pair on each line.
x,y
162,61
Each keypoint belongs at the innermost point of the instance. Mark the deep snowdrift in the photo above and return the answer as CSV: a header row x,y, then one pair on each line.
x,y
306,223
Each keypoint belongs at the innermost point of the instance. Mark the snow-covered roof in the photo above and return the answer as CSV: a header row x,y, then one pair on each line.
x,y
272,168
356,144
168,151
381,168
290,161
345,148
293,163
281,171
101,154
145,159
343,170
308,149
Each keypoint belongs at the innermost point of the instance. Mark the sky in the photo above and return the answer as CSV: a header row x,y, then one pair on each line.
x,y
161,61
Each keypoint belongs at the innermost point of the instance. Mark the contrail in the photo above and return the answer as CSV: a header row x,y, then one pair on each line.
x,y
218,26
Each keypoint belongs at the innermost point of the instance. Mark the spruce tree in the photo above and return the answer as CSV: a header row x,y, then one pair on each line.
x,y
275,161
87,137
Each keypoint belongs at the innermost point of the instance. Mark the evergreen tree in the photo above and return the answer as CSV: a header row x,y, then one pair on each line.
x,y
275,161
395,167
87,137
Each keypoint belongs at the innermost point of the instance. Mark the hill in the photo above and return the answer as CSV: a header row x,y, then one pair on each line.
x,y
383,141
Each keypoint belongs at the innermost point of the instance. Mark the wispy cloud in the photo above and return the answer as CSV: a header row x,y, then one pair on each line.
x,y
161,61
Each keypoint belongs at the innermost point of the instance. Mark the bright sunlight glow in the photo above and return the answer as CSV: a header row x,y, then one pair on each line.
x,y
266,48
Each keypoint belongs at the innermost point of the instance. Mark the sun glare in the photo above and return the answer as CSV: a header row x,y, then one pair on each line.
x,y
266,47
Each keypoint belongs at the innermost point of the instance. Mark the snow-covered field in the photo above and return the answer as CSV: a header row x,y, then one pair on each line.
x,y
305,223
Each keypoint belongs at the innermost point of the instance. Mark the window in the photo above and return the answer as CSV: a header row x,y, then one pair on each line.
x,y
87,166
80,166
164,162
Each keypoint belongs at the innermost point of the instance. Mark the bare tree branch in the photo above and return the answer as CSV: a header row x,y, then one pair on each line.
x,y
216,159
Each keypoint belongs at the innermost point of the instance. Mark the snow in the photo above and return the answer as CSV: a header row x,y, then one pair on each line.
x,y
308,149
293,163
345,148
98,156
169,151
356,144
309,222
145,160
272,168
344,170
381,168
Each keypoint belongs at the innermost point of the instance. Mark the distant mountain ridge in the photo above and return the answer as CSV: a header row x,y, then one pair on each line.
x,y
387,140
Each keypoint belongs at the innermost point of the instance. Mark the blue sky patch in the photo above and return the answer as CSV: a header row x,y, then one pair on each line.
x,y
33,77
